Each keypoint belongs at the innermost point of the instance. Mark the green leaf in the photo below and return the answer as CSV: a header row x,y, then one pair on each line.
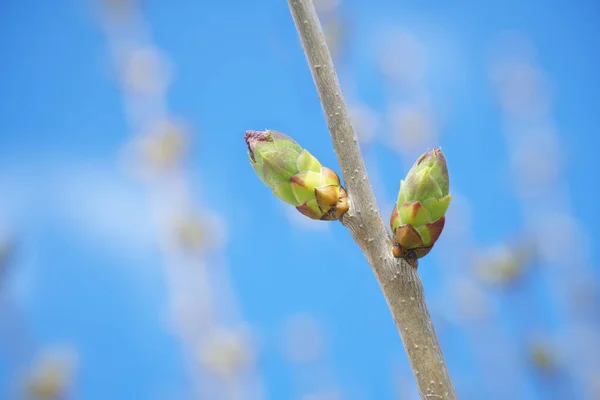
x,y
282,141
437,207
307,162
285,193
304,184
425,236
414,213
401,195
422,186
279,166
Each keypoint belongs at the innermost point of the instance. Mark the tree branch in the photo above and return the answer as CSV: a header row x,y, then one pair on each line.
x,y
398,280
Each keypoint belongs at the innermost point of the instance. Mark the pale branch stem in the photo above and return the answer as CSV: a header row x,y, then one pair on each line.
x,y
399,281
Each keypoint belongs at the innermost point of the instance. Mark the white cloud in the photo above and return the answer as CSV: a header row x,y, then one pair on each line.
x,y
90,200
100,203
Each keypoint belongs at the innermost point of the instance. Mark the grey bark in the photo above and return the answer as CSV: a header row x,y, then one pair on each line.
x,y
399,280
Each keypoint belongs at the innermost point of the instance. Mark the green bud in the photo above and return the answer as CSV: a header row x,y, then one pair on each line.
x,y
418,216
296,176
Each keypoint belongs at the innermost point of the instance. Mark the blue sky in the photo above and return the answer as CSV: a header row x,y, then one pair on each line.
x,y
88,271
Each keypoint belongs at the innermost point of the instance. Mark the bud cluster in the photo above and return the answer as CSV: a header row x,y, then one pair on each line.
x,y
296,176
418,216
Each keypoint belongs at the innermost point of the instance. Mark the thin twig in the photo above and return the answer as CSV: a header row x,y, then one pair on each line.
x,y
399,281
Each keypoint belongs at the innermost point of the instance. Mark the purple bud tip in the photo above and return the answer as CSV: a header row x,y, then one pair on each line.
x,y
439,155
256,136
433,155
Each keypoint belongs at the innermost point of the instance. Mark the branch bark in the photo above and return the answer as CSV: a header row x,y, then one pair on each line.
x,y
398,280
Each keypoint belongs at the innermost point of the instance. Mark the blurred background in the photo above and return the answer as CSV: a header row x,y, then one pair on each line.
x,y
141,258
